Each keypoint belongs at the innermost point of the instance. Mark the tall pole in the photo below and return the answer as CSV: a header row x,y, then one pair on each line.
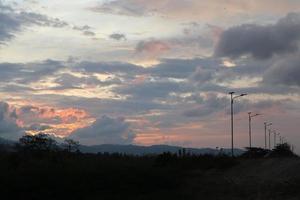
x,y
266,125
274,139
270,139
280,139
231,105
250,145
231,102
265,135
250,128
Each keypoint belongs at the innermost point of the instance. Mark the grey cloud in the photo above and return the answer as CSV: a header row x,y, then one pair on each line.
x,y
8,126
118,36
69,81
82,28
30,72
8,26
152,46
122,7
105,130
285,71
180,68
149,89
107,68
89,33
261,41
13,21
207,106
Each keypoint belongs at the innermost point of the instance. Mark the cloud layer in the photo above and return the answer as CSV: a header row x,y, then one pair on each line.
x,y
105,130
261,41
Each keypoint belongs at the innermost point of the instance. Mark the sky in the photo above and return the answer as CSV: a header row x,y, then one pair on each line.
x,y
149,72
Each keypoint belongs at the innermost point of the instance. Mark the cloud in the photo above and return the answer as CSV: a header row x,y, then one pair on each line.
x,y
180,68
194,9
149,90
13,21
261,41
208,105
106,67
152,47
29,72
123,7
285,71
105,130
9,128
118,36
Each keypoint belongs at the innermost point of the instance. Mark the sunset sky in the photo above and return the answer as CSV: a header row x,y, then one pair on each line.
x,y
149,71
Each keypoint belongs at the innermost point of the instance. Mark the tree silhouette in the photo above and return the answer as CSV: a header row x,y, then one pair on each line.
x,y
283,150
39,142
71,145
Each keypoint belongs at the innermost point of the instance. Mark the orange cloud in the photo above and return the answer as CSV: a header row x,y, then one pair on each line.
x,y
58,121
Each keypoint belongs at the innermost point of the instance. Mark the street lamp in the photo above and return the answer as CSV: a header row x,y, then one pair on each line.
x,y
266,125
278,134
231,103
269,139
274,132
280,139
250,119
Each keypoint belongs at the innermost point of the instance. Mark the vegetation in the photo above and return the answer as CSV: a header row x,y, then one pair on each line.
x,y
39,168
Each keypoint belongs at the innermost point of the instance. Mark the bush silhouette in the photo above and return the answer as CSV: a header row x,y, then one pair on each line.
x,y
255,152
282,150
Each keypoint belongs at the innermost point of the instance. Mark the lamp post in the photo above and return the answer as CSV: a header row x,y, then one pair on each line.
x,y
275,134
250,130
232,97
266,125
280,139
269,139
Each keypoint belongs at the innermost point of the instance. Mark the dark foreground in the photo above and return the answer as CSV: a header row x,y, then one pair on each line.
x,y
65,175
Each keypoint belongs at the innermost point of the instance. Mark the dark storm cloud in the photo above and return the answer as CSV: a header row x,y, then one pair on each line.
x,y
261,41
118,36
106,130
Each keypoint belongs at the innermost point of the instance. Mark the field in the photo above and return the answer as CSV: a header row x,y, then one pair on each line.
x,y
63,175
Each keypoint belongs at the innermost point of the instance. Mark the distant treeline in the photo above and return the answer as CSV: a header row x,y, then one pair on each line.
x,y
37,167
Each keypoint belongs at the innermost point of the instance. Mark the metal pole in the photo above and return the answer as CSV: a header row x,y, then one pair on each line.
x,y
250,145
274,139
265,135
232,154
280,139
269,139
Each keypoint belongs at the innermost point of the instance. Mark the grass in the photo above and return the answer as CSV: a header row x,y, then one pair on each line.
x,y
63,175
